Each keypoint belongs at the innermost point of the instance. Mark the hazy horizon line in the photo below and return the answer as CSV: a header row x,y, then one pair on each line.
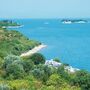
x,y
50,18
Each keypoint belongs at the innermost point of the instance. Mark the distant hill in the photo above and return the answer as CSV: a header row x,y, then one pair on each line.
x,y
7,23
69,21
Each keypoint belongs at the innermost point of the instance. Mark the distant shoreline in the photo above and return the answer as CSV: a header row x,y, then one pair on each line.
x,y
13,26
34,50
70,21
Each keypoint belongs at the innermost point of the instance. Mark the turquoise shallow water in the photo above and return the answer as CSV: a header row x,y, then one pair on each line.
x,y
69,42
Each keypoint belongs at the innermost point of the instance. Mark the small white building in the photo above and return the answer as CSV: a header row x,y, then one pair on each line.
x,y
71,69
52,63
57,64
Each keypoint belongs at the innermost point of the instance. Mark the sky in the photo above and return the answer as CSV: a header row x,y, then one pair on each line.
x,y
44,8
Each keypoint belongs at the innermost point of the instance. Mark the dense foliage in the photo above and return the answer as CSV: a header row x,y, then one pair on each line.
x,y
23,74
38,58
30,73
12,42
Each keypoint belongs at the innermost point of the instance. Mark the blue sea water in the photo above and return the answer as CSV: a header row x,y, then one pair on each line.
x,y
69,42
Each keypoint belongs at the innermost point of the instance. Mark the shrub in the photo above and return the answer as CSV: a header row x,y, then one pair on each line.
x,y
10,59
28,65
82,79
4,87
38,58
61,71
47,73
42,72
19,85
1,63
55,80
38,74
57,60
48,88
15,71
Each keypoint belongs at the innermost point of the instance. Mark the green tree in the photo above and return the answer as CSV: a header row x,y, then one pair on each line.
x,y
28,65
82,79
14,71
61,71
57,60
55,80
38,58
10,59
4,87
1,63
42,72
47,73
38,73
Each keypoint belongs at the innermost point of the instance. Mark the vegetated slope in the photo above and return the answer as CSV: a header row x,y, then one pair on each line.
x,y
31,73
6,23
13,42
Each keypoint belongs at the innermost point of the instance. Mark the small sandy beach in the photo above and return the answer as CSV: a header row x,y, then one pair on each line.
x,y
34,50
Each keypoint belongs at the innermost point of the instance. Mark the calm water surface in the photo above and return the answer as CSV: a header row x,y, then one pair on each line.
x,y
69,42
